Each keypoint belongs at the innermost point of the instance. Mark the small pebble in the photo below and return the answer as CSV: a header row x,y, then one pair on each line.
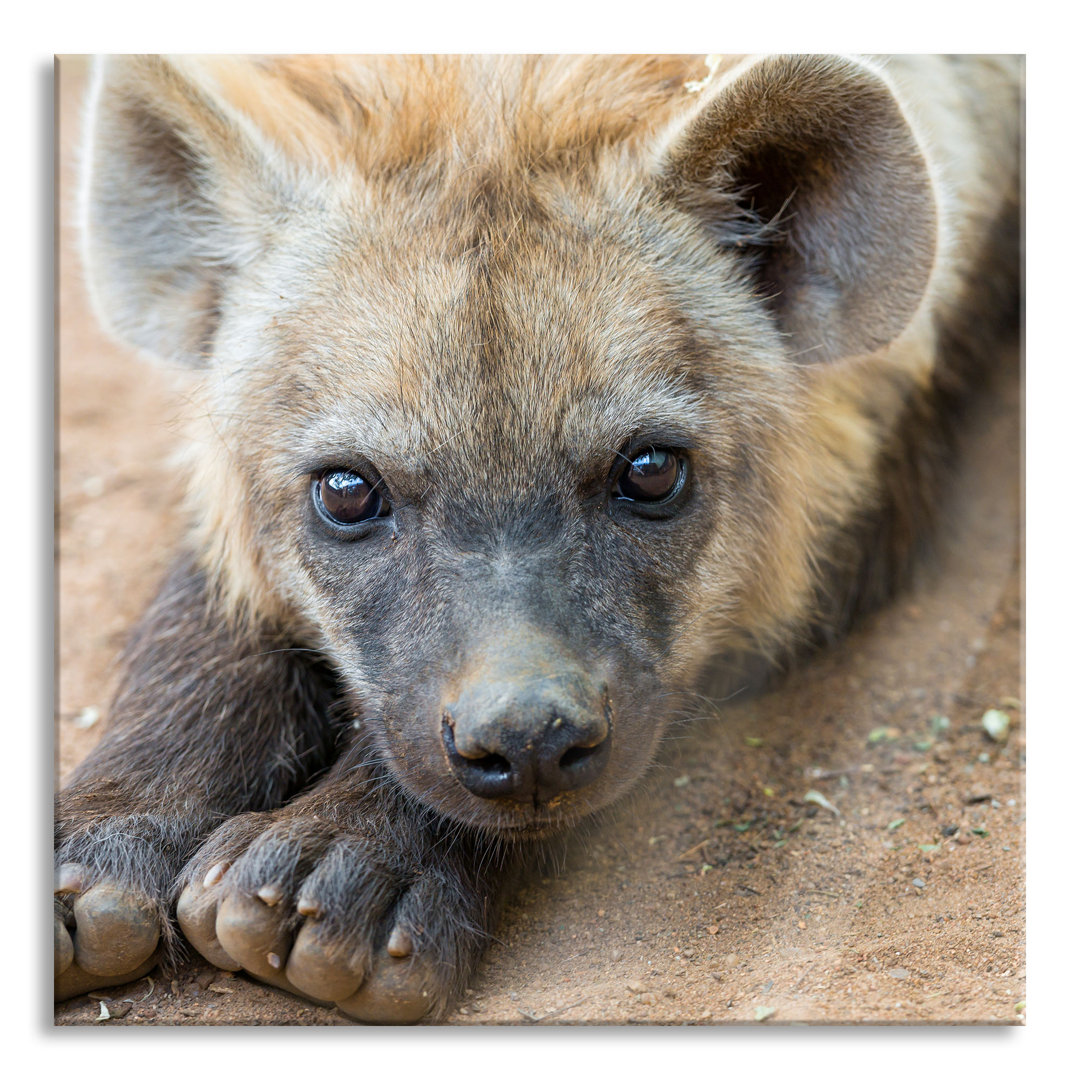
x,y
996,724
818,799
918,883
898,973
88,717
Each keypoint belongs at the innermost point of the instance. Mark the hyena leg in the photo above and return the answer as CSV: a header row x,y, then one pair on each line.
x,y
352,894
211,720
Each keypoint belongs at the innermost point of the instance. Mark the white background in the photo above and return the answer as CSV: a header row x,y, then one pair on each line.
x,y
33,32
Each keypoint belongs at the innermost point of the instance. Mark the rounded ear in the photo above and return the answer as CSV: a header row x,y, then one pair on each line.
x,y
807,168
177,187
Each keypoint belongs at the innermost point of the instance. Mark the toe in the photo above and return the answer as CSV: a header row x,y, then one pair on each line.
x,y
196,912
63,950
116,931
254,934
320,971
396,992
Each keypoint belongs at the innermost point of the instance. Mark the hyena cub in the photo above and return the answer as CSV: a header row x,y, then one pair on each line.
x,y
531,390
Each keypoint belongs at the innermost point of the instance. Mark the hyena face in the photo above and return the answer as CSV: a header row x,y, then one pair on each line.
x,y
503,478
513,430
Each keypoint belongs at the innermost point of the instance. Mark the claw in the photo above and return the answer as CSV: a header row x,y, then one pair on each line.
x,y
271,894
312,909
70,878
400,943
215,874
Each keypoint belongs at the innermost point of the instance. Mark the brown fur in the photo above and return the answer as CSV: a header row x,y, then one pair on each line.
x,y
487,280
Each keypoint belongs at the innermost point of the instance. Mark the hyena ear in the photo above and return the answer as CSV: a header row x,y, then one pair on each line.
x,y
807,166
177,188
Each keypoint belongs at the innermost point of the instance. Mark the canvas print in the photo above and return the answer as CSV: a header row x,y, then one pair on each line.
x,y
539,540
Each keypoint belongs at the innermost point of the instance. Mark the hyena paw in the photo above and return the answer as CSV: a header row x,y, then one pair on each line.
x,y
103,934
332,914
114,879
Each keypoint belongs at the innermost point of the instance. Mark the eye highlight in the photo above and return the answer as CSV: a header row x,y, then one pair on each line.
x,y
346,499
651,475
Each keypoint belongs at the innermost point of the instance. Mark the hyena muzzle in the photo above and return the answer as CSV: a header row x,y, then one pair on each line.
x,y
528,392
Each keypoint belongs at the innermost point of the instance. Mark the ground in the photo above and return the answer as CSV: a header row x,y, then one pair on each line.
x,y
830,852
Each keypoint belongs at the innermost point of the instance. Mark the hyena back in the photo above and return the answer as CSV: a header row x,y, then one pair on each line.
x,y
528,391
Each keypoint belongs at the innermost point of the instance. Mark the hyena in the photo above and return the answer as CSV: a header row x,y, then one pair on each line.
x,y
530,392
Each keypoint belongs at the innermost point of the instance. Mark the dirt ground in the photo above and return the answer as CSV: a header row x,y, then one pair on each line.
x,y
724,891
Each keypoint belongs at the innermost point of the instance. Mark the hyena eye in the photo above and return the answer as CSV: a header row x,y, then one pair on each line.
x,y
346,498
652,474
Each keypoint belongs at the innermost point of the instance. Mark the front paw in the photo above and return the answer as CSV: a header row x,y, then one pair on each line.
x,y
103,934
335,914
114,880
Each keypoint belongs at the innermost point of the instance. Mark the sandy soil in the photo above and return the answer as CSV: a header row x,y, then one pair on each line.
x,y
718,893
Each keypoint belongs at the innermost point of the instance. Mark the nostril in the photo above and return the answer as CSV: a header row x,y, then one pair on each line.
x,y
489,775
491,765
578,754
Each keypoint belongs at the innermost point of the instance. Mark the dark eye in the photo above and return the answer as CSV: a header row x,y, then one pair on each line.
x,y
346,498
651,475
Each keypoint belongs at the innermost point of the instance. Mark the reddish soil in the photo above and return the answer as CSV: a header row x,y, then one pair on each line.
x,y
718,891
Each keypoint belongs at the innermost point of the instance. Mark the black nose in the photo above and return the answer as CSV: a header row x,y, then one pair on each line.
x,y
528,742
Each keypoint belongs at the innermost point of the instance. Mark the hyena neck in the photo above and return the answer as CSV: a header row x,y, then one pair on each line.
x,y
897,533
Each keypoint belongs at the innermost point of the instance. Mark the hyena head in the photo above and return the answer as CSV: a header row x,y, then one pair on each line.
x,y
508,373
